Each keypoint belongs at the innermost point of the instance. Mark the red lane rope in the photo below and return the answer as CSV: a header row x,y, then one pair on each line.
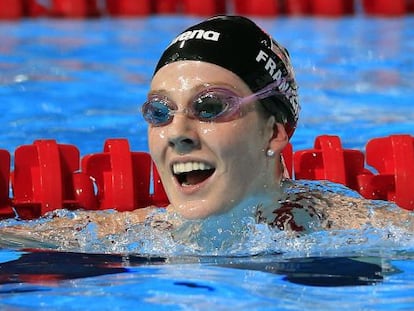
x,y
48,175
94,8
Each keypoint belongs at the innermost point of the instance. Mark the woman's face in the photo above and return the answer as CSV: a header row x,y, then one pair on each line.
x,y
209,167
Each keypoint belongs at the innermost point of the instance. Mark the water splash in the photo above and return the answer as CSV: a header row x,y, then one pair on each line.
x,y
222,235
254,239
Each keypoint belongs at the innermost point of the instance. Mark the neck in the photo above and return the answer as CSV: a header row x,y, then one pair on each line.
x,y
223,232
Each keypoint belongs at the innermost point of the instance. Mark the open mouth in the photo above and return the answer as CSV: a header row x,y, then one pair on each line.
x,y
192,173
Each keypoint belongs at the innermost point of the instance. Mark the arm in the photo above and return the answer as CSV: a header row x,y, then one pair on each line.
x,y
63,228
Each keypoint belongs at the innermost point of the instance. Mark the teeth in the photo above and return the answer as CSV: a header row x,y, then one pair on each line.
x,y
179,168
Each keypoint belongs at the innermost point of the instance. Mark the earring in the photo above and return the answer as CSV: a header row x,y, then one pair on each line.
x,y
270,153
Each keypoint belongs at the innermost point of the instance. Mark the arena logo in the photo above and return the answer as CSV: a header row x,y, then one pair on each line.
x,y
197,34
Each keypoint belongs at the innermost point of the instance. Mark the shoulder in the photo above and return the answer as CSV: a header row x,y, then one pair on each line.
x,y
299,209
317,205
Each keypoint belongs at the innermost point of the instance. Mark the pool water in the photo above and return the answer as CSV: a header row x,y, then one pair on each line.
x,y
82,81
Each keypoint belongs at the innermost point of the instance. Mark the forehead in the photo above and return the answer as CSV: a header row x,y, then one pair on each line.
x,y
183,76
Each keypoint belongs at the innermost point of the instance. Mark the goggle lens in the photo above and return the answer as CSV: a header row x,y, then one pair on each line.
x,y
209,106
157,111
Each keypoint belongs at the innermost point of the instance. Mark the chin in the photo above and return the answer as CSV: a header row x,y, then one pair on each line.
x,y
201,208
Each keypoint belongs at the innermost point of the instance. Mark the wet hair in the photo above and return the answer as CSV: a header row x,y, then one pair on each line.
x,y
239,45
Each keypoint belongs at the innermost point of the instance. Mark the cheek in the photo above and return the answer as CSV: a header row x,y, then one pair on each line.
x,y
236,138
156,141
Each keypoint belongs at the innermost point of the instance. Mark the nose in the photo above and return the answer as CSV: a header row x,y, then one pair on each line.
x,y
183,144
183,135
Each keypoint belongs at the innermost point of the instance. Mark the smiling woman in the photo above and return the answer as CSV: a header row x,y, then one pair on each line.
x,y
223,104
231,159
212,139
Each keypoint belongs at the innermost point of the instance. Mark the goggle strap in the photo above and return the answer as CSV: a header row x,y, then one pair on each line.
x,y
269,90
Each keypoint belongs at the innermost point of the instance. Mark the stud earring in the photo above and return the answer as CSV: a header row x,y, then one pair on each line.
x,y
270,153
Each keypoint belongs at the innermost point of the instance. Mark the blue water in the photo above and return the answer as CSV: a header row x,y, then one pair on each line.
x,y
81,82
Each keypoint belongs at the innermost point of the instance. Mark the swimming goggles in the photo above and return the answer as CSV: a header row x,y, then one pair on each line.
x,y
213,104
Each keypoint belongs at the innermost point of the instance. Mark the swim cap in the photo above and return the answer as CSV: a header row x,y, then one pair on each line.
x,y
239,45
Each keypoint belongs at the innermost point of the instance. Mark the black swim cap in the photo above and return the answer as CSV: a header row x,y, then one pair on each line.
x,y
239,45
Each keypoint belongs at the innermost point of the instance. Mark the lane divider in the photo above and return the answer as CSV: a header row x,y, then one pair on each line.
x,y
48,175
15,9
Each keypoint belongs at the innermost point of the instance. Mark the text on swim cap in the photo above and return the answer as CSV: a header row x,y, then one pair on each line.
x,y
197,34
276,74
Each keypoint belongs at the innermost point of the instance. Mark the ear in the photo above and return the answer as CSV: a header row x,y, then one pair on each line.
x,y
279,139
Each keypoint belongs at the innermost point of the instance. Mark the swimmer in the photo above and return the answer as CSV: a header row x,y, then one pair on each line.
x,y
222,105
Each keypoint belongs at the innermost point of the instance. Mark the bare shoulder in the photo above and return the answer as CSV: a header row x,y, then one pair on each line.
x,y
349,212
326,205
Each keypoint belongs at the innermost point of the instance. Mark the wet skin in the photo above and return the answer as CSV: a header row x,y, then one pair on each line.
x,y
233,151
